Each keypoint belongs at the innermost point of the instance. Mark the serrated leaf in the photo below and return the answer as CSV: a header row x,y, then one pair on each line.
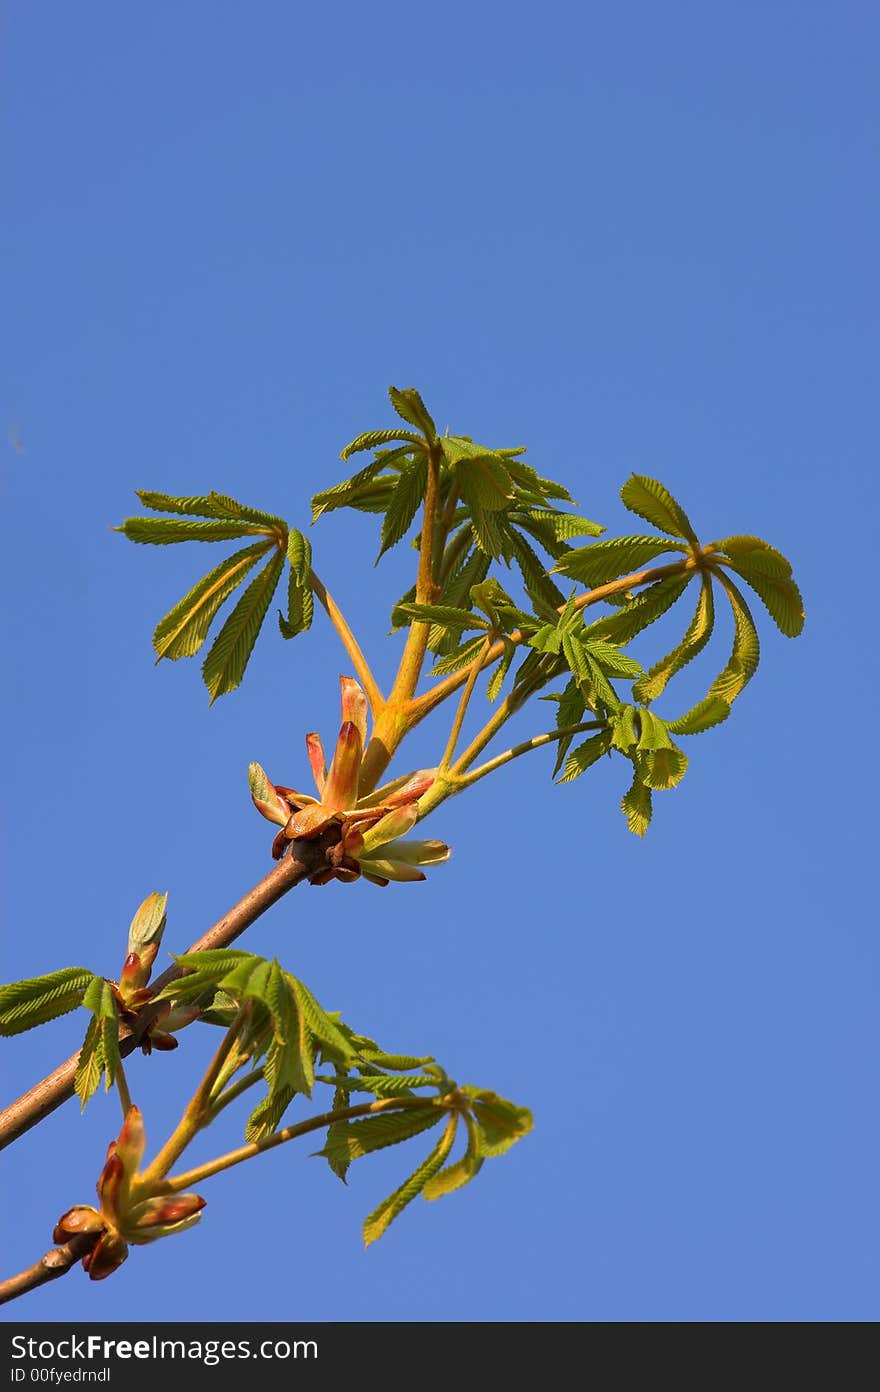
x,y
354,1139
535,578
566,525
401,1062
404,504
382,1217
410,407
225,664
654,734
706,713
636,807
487,532
26,1004
184,628
569,711
649,499
482,475
501,1123
746,651
624,734
90,1065
165,531
99,999
460,658
698,633
780,596
764,557
613,662
217,505
662,768
640,611
585,756
447,615
342,494
385,1084
325,1030
267,1115
457,1175
607,560
373,439
496,681
300,601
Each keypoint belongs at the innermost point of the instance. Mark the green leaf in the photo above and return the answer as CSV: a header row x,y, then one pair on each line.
x,y
404,504
225,664
90,1065
501,1123
323,1028
372,439
26,1004
565,525
460,658
184,628
459,1174
663,768
267,1115
411,408
700,717
758,553
746,647
99,999
623,724
636,807
535,578
381,1218
607,560
354,1139
218,505
344,494
585,756
483,476
637,613
649,499
447,615
300,602
613,662
385,1084
654,734
163,531
496,681
695,639
780,596
402,1062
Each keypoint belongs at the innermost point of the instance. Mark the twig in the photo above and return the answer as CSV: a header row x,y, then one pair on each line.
x,y
53,1264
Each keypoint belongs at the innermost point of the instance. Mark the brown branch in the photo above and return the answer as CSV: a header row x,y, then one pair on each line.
x,y
53,1264
50,1092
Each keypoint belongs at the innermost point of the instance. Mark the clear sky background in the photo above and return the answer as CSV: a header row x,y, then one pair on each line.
x,y
633,237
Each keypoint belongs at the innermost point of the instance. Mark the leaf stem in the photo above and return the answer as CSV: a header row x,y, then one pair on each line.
x,y
362,668
176,1183
468,779
474,671
196,1110
122,1089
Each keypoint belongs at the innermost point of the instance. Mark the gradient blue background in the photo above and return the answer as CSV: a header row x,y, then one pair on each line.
x,y
637,237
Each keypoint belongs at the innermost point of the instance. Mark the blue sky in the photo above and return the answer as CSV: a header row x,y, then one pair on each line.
x,y
635,237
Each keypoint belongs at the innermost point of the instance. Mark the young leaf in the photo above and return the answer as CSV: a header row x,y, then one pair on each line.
x,y
382,1217
535,578
353,1139
372,439
700,717
455,661
163,531
483,476
100,1000
636,807
90,1065
26,1004
746,647
501,1123
695,639
300,602
640,611
323,1028
411,408
662,768
343,494
760,554
780,596
496,681
649,499
447,615
606,560
184,628
404,505
225,664
218,505
267,1115
459,1174
565,525
585,756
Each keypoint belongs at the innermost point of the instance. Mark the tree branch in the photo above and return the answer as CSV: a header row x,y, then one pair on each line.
x,y
53,1264
50,1092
